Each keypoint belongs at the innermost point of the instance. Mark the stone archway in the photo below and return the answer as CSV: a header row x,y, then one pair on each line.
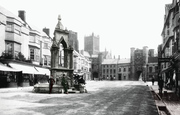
x,y
95,75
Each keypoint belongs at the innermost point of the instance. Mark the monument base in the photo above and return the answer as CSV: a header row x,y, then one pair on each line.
x,y
44,88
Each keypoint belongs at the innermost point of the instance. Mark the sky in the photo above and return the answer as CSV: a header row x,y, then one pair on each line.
x,y
120,24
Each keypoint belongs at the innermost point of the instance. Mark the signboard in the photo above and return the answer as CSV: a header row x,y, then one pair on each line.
x,y
164,59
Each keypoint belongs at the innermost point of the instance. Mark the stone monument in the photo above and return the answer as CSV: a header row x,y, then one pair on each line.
x,y
61,60
61,55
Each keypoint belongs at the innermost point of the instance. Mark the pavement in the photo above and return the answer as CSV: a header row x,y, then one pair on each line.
x,y
168,100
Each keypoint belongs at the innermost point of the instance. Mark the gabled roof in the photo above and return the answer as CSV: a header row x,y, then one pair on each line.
x,y
10,14
86,54
110,61
125,60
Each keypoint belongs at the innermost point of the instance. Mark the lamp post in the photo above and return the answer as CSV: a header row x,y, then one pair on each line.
x,y
144,73
147,66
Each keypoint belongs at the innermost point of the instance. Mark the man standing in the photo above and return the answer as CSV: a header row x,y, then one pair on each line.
x,y
51,83
153,80
161,84
64,83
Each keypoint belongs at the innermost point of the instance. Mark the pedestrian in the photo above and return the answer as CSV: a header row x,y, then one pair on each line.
x,y
161,84
153,80
51,83
64,83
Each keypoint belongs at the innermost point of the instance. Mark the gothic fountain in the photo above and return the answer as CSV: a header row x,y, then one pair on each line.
x,y
61,61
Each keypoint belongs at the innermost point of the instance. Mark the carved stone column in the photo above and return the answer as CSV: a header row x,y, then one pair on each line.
x,y
54,59
70,58
66,58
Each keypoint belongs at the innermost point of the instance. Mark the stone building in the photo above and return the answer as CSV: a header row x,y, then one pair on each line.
x,y
168,51
91,44
139,59
82,64
123,69
152,68
73,40
116,69
23,47
109,69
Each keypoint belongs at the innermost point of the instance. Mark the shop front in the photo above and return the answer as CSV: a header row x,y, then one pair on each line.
x,y
18,74
8,76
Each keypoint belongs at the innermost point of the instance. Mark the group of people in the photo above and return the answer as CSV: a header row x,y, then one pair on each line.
x,y
78,79
64,83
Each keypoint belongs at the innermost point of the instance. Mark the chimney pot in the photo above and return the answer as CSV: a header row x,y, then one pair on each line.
x,y
22,15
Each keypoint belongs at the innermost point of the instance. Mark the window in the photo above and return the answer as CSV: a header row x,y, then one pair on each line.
x,y
124,69
32,54
103,70
9,27
17,49
119,69
35,54
114,71
45,60
107,71
9,47
156,68
110,71
150,69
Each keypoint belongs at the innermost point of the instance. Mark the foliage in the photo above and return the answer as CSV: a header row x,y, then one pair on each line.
x,y
19,57
5,55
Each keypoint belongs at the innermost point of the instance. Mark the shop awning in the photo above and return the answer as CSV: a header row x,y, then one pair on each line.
x,y
43,71
6,68
24,68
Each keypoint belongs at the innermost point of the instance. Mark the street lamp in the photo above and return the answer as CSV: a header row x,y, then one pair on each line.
x,y
144,73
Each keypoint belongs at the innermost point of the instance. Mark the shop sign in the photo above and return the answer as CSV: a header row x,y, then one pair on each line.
x,y
164,59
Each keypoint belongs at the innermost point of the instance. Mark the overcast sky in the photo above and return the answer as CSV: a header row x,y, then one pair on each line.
x,y
121,24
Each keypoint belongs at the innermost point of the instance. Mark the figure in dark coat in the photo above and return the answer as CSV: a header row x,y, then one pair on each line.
x,y
153,80
51,83
64,83
161,84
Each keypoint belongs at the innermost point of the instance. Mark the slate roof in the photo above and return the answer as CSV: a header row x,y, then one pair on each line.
x,y
10,14
86,54
110,61
125,60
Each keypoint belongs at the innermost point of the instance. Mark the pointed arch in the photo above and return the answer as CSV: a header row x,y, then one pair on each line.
x,y
63,42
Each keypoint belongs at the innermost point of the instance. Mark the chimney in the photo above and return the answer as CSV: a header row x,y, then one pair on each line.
x,y
21,14
46,30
